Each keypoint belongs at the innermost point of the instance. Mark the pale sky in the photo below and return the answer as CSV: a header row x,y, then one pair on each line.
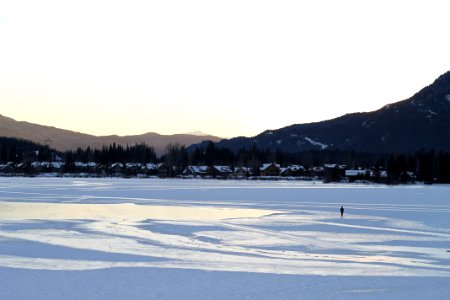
x,y
228,68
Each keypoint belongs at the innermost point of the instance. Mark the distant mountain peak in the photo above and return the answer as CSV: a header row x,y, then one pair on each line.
x,y
420,122
198,133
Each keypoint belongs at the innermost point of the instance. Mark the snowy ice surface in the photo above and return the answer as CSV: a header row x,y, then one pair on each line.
x,y
315,143
206,239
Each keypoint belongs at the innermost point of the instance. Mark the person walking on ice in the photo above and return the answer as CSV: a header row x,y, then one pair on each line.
x,y
342,211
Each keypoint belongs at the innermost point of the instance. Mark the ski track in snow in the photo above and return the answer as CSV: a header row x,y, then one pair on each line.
x,y
388,233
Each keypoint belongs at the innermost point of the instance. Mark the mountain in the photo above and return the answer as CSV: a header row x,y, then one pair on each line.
x,y
198,133
422,121
63,140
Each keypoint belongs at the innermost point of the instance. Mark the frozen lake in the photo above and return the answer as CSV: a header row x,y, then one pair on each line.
x,y
210,239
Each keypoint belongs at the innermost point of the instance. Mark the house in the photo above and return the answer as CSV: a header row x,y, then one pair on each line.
x,y
116,169
7,168
353,175
334,172
23,168
87,167
293,171
318,171
56,166
91,165
195,171
132,169
241,172
407,176
165,170
100,170
46,166
271,169
220,171
149,169
80,166
36,167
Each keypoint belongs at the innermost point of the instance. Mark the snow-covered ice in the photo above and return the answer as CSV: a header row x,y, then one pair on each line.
x,y
207,239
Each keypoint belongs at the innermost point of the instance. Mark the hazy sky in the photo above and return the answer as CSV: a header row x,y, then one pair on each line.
x,y
224,67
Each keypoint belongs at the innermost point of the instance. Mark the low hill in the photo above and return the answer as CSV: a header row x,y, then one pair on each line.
x,y
62,140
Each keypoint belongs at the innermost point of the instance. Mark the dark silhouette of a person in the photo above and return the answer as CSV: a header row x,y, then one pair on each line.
x,y
342,211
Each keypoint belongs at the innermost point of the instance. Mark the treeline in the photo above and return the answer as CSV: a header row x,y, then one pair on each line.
x,y
138,153
427,166
18,150
255,157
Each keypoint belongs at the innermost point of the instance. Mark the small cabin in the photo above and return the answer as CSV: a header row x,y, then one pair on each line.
x,y
293,171
196,171
271,169
220,171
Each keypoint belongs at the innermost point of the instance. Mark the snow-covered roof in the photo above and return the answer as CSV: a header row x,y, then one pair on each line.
x,y
133,165
318,169
151,166
5,166
292,168
265,166
355,172
247,169
80,164
57,165
410,174
35,164
197,169
296,168
223,169
201,168
334,166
